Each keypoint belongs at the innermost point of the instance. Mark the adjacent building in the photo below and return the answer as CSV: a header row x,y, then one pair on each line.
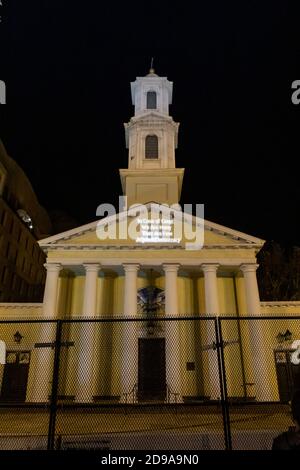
x,y
22,222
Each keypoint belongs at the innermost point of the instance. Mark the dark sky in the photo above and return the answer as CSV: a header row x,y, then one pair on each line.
x,y
68,64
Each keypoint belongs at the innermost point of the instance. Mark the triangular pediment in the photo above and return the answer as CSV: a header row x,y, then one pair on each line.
x,y
151,115
124,230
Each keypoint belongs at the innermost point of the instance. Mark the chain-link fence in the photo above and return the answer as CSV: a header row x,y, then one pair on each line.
x,y
261,374
25,383
147,383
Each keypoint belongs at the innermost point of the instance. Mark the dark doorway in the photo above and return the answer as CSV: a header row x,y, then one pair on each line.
x,y
15,376
152,369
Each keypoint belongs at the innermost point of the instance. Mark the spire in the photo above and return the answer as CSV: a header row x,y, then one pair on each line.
x,y
152,71
151,66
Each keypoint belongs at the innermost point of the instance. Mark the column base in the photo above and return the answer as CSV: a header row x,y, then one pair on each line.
x,y
175,400
38,400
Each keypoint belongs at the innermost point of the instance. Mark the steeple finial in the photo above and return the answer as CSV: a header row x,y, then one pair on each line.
x,y
151,66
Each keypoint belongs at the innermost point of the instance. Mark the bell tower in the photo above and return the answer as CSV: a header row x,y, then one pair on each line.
x,y
151,139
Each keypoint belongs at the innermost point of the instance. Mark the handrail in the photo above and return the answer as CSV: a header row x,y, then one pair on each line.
x,y
132,392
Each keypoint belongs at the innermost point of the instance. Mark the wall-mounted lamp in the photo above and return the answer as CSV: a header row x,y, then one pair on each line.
x,y
17,337
282,337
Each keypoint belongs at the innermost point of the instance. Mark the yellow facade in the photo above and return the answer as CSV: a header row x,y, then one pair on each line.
x,y
73,250
192,334
96,271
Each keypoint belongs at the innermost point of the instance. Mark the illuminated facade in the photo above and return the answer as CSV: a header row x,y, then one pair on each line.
x,y
122,277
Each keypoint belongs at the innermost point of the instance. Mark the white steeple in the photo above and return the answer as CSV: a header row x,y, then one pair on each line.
x,y
151,138
151,135
151,93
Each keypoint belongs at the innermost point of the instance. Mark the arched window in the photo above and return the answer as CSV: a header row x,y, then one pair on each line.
x,y
151,146
151,100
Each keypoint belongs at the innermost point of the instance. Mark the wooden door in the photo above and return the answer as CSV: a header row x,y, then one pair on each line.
x,y
15,376
152,369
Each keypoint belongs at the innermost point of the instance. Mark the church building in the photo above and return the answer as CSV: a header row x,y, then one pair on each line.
x,y
98,272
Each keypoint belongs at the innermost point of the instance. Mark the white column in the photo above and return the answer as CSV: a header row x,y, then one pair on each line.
x,y
129,360
44,356
173,363
90,289
51,287
86,372
260,366
212,309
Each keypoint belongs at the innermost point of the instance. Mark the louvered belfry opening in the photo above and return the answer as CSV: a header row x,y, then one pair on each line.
x,y
151,146
151,100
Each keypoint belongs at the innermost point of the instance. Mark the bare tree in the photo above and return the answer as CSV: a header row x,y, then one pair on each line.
x,y
279,272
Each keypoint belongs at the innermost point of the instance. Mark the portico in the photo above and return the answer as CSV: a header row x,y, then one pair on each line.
x,y
173,275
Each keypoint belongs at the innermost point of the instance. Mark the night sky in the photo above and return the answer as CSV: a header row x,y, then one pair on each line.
x,y
68,66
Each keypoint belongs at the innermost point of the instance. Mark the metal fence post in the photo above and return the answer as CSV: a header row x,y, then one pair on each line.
x,y
55,383
223,384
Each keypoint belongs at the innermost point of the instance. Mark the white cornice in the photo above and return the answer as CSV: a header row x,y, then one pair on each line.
x,y
281,303
157,260
151,117
144,247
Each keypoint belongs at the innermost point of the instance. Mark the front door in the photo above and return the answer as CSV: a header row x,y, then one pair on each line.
x,y
152,369
15,376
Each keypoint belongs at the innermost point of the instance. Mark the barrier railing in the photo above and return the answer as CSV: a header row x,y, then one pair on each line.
x,y
236,379
127,395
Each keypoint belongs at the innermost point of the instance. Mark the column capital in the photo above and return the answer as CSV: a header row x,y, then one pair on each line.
x,y
131,267
53,267
210,267
91,267
170,267
249,268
